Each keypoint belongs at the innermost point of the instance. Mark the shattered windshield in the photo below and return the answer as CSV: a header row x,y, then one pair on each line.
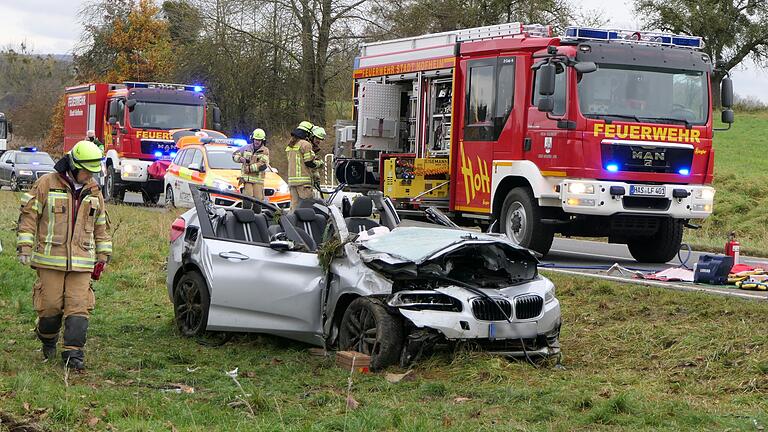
x,y
418,244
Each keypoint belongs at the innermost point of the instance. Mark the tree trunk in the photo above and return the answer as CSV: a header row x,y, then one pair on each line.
x,y
307,58
714,81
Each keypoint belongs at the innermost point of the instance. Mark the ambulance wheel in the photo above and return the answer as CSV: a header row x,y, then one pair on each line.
x,y
521,221
661,247
169,201
190,304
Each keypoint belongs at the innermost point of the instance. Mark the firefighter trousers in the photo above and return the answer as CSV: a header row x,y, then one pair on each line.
x,y
299,193
255,190
63,295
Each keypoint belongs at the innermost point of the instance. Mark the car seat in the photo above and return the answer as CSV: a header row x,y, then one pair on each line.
x,y
244,225
310,223
360,213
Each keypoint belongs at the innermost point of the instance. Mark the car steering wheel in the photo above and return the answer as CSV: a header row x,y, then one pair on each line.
x,y
685,111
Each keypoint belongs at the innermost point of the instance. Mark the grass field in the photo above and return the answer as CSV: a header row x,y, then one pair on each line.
x,y
741,179
635,359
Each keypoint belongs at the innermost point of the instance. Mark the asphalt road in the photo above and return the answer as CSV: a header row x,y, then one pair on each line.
x,y
590,258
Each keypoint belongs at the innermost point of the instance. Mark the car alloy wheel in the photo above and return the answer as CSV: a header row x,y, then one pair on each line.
x,y
368,327
169,202
14,183
190,305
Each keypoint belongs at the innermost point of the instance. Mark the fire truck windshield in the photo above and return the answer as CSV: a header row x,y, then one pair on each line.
x,y
645,94
153,115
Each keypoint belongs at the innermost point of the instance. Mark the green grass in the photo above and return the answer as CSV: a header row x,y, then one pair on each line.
x,y
741,180
635,358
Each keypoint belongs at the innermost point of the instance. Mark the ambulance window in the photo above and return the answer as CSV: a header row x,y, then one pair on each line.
x,y
197,158
560,90
187,158
177,160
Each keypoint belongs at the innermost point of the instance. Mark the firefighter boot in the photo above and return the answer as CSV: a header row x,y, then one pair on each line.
x,y
75,333
48,332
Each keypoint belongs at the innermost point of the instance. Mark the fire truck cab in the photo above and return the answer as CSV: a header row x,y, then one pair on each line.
x,y
133,121
598,133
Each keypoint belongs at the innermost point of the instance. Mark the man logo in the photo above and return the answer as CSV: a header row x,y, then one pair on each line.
x,y
648,157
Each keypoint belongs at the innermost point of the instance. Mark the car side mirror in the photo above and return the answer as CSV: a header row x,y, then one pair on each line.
x,y
585,67
546,77
727,116
281,245
546,104
195,167
9,162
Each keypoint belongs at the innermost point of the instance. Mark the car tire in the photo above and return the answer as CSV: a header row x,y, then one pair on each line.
x,y
661,247
191,302
14,183
170,202
520,221
385,342
111,192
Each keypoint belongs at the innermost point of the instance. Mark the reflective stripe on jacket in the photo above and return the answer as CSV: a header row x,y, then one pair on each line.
x,y
298,173
57,240
252,171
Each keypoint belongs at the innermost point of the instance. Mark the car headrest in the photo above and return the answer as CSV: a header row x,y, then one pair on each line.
x,y
244,215
304,214
361,207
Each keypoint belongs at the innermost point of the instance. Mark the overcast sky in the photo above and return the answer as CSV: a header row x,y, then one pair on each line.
x,y
52,27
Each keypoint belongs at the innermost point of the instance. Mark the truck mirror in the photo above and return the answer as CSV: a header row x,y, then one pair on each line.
x,y
113,110
546,104
216,118
726,92
114,130
131,104
112,120
727,116
585,67
546,77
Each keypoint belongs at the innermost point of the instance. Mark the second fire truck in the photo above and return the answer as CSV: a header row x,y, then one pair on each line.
x,y
133,120
598,133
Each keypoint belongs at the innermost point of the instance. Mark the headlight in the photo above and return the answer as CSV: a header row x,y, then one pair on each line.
x,y
425,300
704,194
284,189
131,169
549,296
579,188
222,185
26,173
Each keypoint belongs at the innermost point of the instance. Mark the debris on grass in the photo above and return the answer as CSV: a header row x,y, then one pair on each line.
x,y
393,378
178,389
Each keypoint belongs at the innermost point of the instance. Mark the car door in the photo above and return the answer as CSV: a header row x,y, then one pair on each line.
x,y
5,167
254,288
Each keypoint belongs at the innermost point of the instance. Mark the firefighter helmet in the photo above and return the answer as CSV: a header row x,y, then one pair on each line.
x,y
318,132
306,126
259,134
86,155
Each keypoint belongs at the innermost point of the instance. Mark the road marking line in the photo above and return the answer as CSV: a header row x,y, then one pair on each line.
x,y
661,284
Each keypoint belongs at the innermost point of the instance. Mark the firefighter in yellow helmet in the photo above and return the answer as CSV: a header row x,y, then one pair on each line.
x,y
318,135
301,161
255,160
63,233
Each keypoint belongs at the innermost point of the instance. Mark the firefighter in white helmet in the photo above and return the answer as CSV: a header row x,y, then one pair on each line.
x,y
63,232
255,160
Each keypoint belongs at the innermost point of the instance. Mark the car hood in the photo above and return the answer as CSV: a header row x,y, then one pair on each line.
x,y
463,257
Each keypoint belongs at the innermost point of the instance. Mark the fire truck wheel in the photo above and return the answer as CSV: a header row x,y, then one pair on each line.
x,y
111,192
660,247
521,221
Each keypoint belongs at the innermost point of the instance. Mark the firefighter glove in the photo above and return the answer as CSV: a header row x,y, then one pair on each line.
x,y
25,259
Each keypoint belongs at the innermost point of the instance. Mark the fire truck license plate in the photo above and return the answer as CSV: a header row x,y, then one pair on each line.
x,y
647,190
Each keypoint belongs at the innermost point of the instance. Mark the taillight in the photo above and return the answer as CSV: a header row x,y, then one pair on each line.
x,y
177,229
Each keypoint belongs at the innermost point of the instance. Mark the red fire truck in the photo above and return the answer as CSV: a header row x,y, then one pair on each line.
x,y
133,121
598,133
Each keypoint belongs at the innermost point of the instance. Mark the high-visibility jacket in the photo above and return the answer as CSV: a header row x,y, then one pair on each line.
x,y
254,168
298,154
63,230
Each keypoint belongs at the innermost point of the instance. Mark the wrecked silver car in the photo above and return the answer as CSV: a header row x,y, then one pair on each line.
x,y
373,286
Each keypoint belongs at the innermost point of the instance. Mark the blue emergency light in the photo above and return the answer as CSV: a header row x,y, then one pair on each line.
x,y
28,149
612,167
684,171
158,154
587,33
240,142
198,88
167,86
173,155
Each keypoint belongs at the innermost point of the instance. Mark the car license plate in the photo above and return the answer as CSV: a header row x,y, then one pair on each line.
x,y
516,330
647,190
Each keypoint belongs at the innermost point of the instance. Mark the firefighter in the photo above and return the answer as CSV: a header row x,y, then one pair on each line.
x,y
255,160
63,233
301,161
318,135
91,136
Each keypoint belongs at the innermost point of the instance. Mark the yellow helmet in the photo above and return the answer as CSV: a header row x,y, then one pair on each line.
x,y
306,126
259,134
86,155
318,132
